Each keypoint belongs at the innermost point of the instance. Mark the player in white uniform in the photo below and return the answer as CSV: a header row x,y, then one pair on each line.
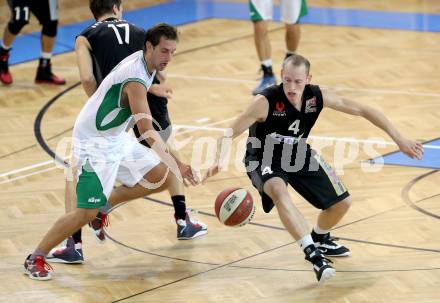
x,y
261,12
104,152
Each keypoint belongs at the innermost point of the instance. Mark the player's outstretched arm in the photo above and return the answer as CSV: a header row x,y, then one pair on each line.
x,y
161,90
409,147
85,65
137,100
256,112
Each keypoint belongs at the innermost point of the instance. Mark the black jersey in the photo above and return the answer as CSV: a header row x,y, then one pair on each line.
x,y
284,125
111,41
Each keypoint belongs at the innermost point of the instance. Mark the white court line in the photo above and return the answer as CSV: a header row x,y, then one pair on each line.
x,y
191,128
366,90
28,175
19,170
26,168
207,125
195,127
202,120
351,140
207,78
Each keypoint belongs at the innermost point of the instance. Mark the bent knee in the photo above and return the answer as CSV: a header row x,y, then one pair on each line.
x,y
277,191
343,204
85,215
157,174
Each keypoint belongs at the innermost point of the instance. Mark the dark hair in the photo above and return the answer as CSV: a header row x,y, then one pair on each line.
x,y
160,30
297,60
101,7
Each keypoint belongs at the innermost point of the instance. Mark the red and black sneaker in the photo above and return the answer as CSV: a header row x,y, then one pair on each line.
x,y
5,75
45,75
37,268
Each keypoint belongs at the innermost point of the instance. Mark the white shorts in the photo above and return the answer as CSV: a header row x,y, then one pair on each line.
x,y
291,10
99,168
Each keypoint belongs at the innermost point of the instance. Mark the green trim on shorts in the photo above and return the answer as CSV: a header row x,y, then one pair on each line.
x,y
89,190
304,9
337,184
253,13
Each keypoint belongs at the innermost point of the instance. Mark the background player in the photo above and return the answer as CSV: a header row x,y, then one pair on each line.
x,y
280,119
261,13
46,12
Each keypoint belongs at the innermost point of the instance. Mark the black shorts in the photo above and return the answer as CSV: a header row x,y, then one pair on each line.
x,y
320,187
161,119
44,10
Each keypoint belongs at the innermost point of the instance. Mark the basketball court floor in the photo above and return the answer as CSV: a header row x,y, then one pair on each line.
x,y
381,53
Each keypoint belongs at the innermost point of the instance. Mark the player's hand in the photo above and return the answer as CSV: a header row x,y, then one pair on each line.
x,y
161,90
189,175
212,171
411,148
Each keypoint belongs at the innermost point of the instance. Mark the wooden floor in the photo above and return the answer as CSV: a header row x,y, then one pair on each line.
x,y
395,249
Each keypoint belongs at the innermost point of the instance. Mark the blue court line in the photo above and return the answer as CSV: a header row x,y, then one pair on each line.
x,y
431,157
179,12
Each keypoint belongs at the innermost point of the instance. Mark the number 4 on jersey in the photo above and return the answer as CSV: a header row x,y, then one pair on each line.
x,y
295,126
118,36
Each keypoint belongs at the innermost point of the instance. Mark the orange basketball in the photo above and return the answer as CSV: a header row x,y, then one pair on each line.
x,y
234,207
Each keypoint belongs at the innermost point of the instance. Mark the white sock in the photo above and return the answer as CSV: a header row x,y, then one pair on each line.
x,y
305,241
267,63
288,52
45,55
320,231
5,46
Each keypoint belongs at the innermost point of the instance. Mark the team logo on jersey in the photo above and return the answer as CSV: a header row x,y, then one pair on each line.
x,y
279,109
311,105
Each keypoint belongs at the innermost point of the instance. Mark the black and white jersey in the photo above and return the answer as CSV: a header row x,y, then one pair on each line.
x,y
111,41
284,125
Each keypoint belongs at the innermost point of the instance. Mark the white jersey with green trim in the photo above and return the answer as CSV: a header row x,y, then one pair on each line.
x,y
103,117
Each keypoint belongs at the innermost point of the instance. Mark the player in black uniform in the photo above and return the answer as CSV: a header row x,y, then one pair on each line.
x,y
280,120
46,12
99,48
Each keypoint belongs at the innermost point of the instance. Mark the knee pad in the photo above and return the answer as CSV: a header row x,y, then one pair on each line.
x,y
50,28
15,26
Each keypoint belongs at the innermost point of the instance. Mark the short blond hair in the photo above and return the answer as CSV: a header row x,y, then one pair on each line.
x,y
297,60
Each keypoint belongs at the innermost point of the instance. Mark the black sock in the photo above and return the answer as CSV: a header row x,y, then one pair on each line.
x,y
44,62
77,236
3,51
179,206
267,70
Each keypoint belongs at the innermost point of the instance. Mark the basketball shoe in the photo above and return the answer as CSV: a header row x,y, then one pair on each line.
x,y
97,226
190,228
323,270
5,75
267,80
327,245
71,253
37,268
45,74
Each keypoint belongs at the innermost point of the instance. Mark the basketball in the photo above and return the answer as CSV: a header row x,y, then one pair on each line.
x,y
234,207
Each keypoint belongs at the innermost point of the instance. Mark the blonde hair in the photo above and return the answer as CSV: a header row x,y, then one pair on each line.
x,y
297,60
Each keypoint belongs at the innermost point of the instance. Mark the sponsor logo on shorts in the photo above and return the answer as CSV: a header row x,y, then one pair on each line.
x,y
94,200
